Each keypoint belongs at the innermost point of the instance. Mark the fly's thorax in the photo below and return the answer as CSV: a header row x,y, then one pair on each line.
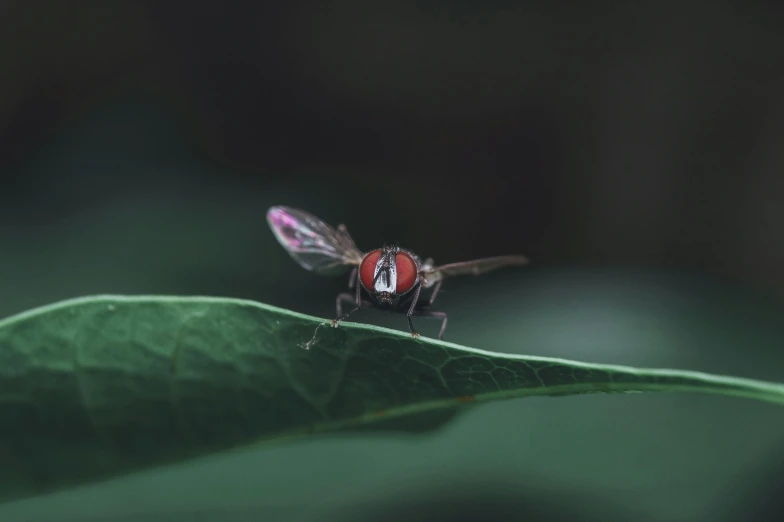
x,y
388,272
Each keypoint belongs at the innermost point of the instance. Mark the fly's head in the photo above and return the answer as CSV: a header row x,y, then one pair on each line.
x,y
388,272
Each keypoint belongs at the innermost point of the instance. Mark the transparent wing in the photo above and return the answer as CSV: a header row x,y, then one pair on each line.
x,y
315,245
433,274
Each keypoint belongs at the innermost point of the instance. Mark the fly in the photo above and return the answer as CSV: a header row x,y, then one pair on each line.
x,y
391,277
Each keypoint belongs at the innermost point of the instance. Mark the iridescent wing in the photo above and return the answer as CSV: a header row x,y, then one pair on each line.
x,y
315,245
432,274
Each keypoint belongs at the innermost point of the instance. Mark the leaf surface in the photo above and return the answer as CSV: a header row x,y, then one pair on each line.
x,y
97,387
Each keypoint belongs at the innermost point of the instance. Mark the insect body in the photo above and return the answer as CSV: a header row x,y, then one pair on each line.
x,y
392,277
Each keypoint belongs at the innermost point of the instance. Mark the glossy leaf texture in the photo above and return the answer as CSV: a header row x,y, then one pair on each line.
x,y
97,387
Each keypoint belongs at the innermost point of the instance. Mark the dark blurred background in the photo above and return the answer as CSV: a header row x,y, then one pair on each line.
x,y
632,150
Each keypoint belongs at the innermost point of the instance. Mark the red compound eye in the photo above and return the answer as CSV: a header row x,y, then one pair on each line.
x,y
367,269
406,272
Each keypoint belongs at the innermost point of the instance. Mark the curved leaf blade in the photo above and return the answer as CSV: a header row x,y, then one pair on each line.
x,y
96,387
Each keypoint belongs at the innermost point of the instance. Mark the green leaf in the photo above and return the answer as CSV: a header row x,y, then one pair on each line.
x,y
101,386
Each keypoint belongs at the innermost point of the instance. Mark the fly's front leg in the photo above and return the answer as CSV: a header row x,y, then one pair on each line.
x,y
411,310
357,285
353,283
430,313
345,297
352,280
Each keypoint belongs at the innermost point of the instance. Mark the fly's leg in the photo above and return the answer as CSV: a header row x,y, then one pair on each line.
x,y
344,297
431,313
353,284
425,303
348,298
433,294
357,285
411,310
